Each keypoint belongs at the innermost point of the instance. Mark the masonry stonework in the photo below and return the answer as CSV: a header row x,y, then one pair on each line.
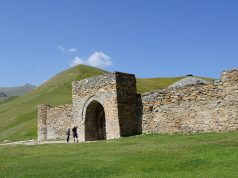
x,y
200,108
59,118
108,107
104,107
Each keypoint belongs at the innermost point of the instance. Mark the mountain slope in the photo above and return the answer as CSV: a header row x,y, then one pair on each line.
x,y
17,91
18,117
3,96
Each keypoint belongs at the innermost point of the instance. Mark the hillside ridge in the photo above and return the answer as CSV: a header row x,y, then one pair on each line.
x,y
17,90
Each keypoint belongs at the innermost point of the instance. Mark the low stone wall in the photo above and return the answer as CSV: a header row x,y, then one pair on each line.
x,y
200,108
59,118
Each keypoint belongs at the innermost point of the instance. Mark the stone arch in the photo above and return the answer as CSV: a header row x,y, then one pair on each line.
x,y
88,101
94,119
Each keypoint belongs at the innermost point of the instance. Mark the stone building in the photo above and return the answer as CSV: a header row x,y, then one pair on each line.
x,y
104,107
108,107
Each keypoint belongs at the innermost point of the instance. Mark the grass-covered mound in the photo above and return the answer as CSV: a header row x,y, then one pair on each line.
x,y
150,84
196,155
18,117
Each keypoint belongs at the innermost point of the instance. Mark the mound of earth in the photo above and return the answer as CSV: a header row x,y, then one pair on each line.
x,y
188,81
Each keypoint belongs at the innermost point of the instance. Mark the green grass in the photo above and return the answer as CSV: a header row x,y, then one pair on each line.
x,y
11,98
18,117
150,84
17,91
195,155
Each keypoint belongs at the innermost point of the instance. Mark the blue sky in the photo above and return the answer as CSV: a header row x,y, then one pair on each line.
x,y
155,38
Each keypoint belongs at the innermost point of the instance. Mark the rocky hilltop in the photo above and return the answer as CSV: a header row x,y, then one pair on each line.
x,y
190,80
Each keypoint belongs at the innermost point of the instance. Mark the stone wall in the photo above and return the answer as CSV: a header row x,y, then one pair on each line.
x,y
53,121
59,118
103,90
116,92
42,117
199,108
108,107
126,99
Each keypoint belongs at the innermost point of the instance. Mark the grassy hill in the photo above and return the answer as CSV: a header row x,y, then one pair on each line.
x,y
3,96
18,117
17,91
179,155
10,93
150,84
8,99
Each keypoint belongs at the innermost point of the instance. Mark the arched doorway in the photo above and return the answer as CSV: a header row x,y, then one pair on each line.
x,y
95,122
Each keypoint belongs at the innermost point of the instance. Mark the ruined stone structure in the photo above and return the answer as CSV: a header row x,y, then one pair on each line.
x,y
104,107
108,107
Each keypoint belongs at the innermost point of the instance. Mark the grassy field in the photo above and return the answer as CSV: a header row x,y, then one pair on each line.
x,y
195,155
18,117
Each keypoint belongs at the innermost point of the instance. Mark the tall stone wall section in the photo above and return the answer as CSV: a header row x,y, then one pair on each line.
x,y
102,89
126,99
42,118
199,108
116,92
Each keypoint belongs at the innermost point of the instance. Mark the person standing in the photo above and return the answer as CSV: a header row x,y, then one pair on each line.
x,y
68,134
75,134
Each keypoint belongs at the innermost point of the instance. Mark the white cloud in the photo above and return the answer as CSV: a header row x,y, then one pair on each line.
x,y
76,61
97,59
61,48
70,50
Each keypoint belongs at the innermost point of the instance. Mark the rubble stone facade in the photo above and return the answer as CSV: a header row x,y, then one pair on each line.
x,y
199,108
108,107
104,107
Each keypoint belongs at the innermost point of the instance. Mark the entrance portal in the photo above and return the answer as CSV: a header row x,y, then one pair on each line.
x,y
95,122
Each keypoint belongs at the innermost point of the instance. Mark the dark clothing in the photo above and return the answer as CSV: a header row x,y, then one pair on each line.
x,y
74,130
68,134
75,135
